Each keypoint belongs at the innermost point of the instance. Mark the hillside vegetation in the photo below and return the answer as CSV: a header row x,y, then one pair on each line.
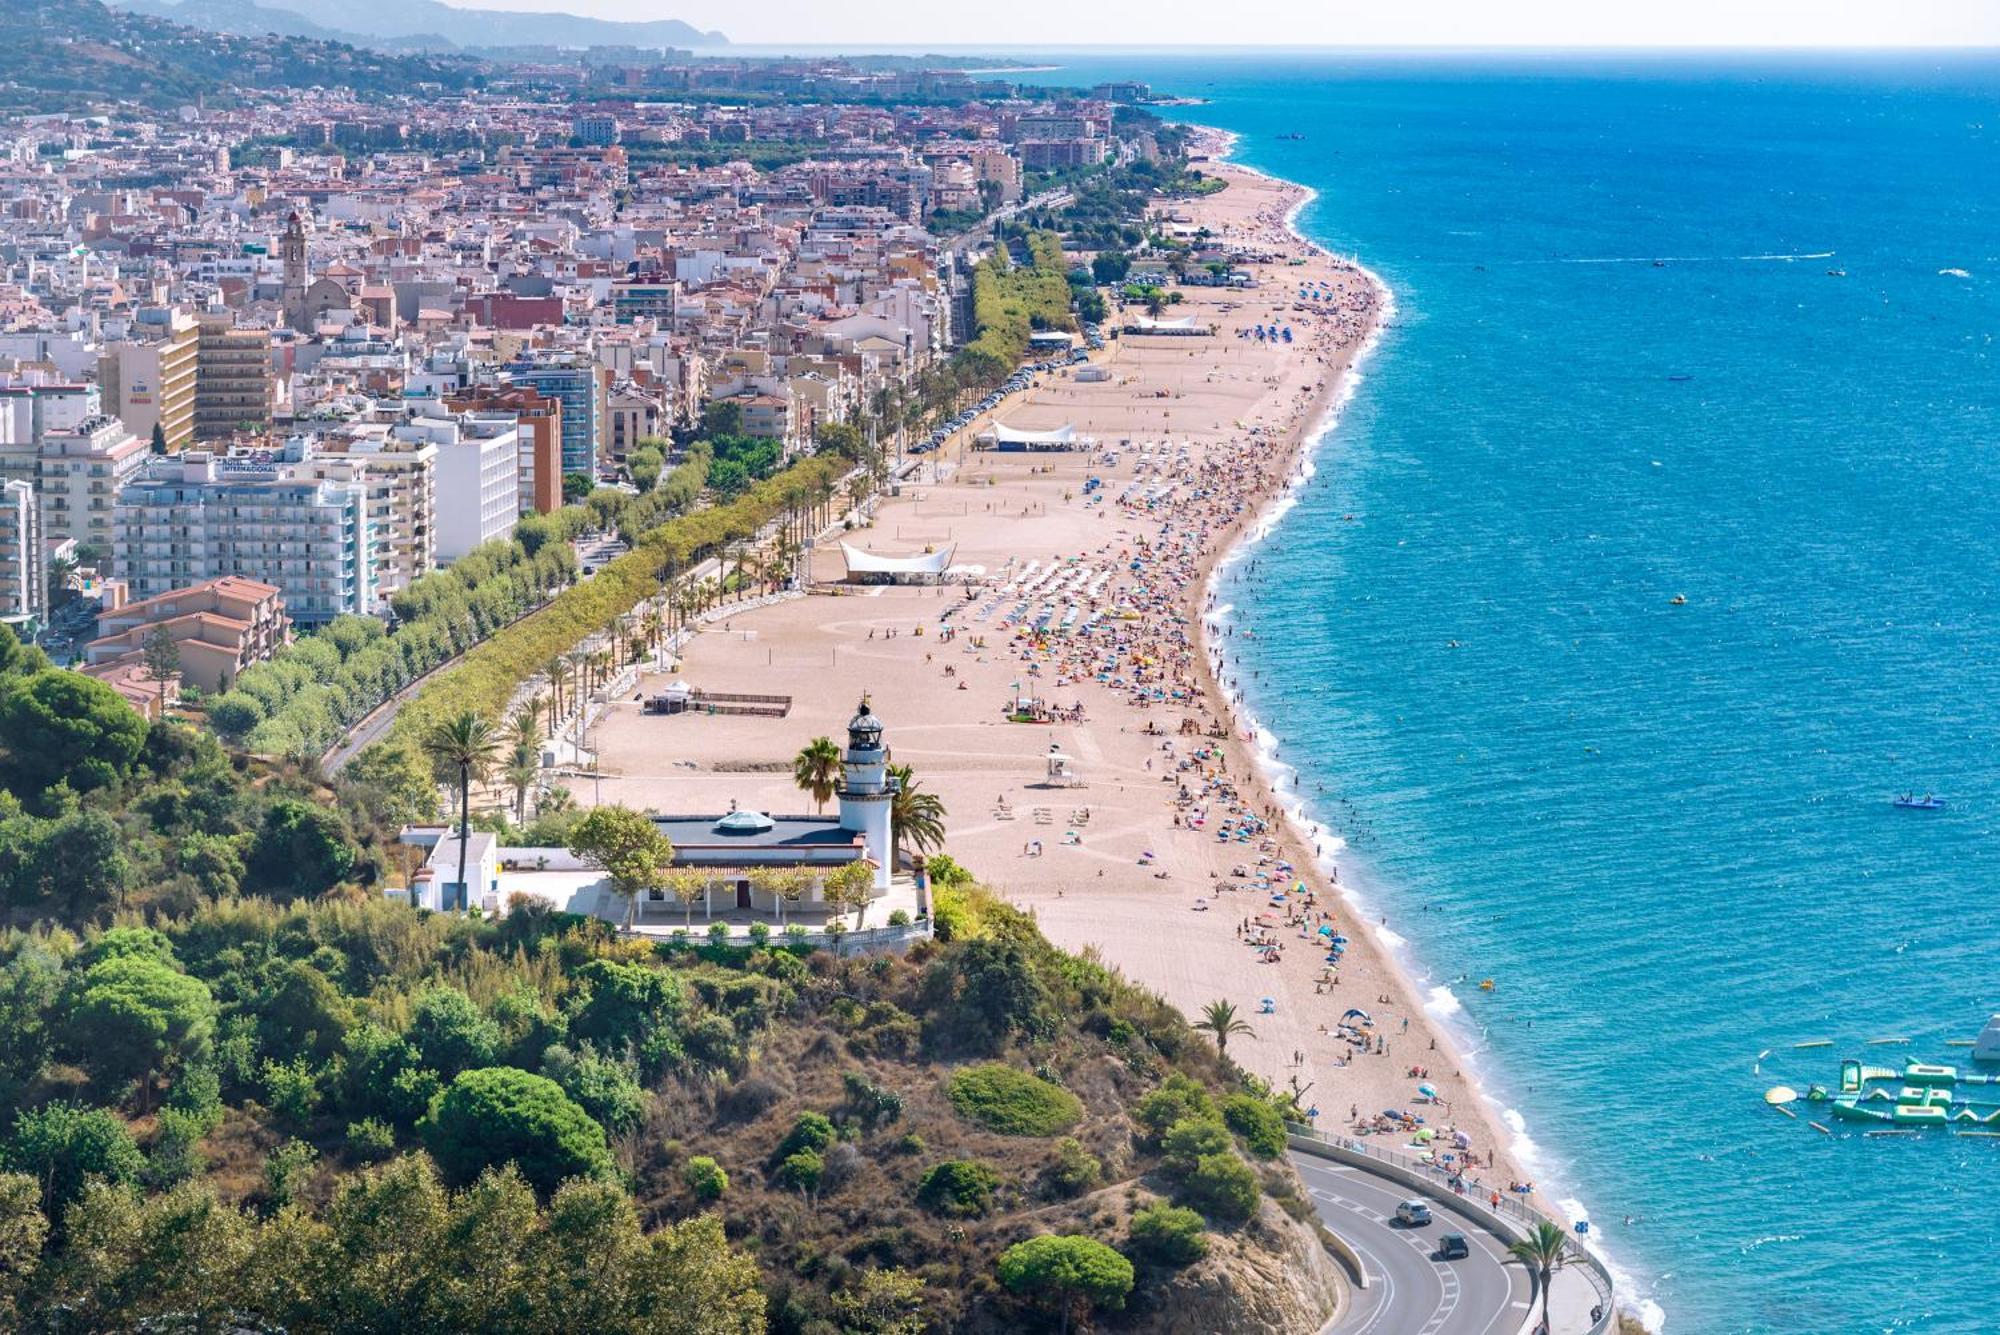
x,y
71,54
343,1115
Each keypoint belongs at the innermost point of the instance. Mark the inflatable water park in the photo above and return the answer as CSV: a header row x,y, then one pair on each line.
x,y
1915,1094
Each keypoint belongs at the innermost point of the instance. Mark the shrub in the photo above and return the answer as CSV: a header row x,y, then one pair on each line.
x,y
958,1188
911,1144
760,934
800,1171
292,1089
61,1145
1073,1171
705,1178
286,1170
1168,1235
1190,1138
1222,1187
871,1104
1259,1125
371,1138
811,1131
1012,1102
499,1114
899,918
718,934
1178,1097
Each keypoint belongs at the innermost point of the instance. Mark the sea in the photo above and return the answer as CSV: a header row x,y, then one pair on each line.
x,y
1656,550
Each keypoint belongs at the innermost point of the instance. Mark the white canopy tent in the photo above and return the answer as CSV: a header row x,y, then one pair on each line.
x,y
1000,436
873,568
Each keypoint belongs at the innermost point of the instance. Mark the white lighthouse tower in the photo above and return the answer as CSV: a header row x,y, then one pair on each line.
x,y
866,789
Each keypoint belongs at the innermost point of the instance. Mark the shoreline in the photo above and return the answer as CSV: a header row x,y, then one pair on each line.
x,y
1170,849
1276,778
1437,1002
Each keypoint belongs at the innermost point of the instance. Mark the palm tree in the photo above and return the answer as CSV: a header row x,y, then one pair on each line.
x,y
816,769
913,814
465,743
524,766
1545,1250
1219,1018
553,670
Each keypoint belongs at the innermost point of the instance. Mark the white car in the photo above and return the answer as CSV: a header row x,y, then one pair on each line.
x,y
1413,1214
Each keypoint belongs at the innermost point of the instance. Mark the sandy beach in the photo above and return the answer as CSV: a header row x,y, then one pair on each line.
x,y
1160,847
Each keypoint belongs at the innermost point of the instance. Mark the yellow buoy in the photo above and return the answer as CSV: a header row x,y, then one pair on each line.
x,y
1486,985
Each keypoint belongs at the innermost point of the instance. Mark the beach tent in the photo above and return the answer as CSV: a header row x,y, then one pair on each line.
x,y
1365,1017
1000,436
873,568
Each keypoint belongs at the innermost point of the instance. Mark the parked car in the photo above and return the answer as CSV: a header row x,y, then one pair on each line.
x,y
1453,1247
1413,1214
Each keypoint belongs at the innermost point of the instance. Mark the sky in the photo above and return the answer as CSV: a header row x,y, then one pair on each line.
x,y
1419,23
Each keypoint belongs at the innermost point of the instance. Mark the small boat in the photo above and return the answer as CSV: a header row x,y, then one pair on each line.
x,y
1911,802
1678,600
1291,134
1836,273
1677,379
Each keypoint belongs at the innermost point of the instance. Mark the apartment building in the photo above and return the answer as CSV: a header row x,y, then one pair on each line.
x,y
78,476
577,383
148,378
399,477
199,517
233,382
478,494
634,416
24,587
539,421
220,626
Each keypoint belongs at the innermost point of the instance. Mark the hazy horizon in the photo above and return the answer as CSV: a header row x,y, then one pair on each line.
x,y
1437,24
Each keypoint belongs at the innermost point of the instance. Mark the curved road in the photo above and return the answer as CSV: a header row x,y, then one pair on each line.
x,y
1408,1292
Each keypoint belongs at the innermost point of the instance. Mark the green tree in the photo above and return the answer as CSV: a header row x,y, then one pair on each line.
x,y
81,857
1067,1274
816,770
162,653
452,1034
465,746
499,1114
1219,1019
626,846
1261,1127
958,1188
882,1302
914,815
1222,1187
300,847
61,1145
1168,1235
23,1229
135,1016
65,726
1545,1250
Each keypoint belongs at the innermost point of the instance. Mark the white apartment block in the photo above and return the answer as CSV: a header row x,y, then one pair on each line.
x,y
478,495
24,590
79,474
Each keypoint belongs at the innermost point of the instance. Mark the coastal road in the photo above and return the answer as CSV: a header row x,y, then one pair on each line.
x,y
1408,1292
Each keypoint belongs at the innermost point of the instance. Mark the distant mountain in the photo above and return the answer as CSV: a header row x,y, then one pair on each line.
x,y
405,23
68,54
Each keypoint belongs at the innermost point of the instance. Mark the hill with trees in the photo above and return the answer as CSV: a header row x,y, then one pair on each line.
x,y
73,54
240,1090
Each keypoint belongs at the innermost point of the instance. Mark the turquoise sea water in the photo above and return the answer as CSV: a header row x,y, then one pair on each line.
x,y
1665,831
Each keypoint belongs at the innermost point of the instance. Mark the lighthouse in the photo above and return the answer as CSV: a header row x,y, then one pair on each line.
x,y
866,789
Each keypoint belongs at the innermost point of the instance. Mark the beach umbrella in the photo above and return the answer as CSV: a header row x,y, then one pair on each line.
x,y
1354,1011
1427,1091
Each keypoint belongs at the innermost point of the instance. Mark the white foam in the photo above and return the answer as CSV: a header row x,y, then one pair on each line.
x,y
1443,1003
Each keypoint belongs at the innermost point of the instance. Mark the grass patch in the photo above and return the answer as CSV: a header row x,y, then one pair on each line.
x,y
1012,1102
